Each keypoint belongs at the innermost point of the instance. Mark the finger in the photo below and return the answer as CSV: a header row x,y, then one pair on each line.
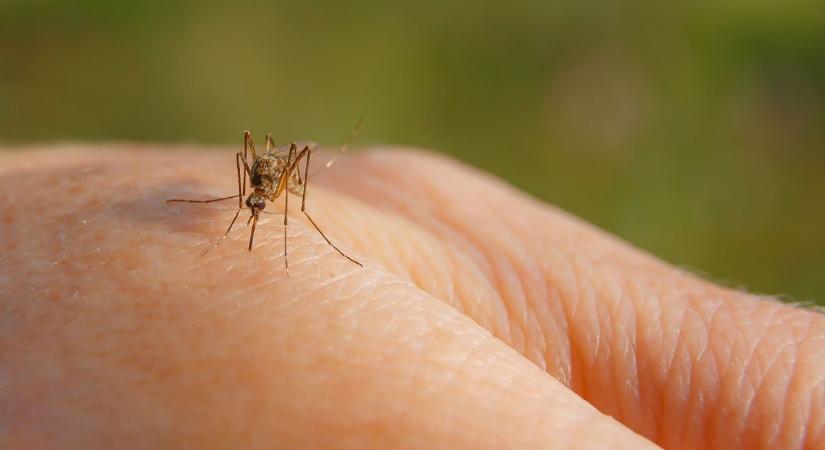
x,y
682,361
115,334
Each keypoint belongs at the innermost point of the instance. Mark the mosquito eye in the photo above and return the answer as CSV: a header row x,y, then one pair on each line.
x,y
260,204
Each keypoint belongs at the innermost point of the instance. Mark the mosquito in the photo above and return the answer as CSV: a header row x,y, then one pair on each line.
x,y
273,173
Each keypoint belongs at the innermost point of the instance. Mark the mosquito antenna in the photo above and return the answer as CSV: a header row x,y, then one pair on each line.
x,y
184,200
352,136
343,148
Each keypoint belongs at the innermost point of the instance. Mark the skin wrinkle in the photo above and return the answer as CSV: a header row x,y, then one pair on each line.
x,y
394,194
752,372
725,354
425,276
713,321
726,426
490,318
540,316
664,368
558,328
647,415
633,391
620,376
690,336
795,384
517,299
584,308
733,377
694,430
537,350
816,420
516,328
791,364
588,340
566,284
776,381
507,283
813,423
515,336
613,357
451,288
783,385
673,391
748,373
563,279
649,398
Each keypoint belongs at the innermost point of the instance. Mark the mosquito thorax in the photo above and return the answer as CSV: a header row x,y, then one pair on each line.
x,y
267,169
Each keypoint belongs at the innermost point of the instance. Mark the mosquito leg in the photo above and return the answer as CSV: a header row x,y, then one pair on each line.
x,y
240,204
301,177
330,242
292,159
248,146
307,151
246,138
241,191
225,234
286,211
239,195
183,200
246,169
292,154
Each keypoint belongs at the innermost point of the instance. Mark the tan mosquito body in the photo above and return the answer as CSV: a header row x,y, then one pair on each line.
x,y
271,174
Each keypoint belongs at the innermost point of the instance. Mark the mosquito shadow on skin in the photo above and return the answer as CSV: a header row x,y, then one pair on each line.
x,y
141,205
150,207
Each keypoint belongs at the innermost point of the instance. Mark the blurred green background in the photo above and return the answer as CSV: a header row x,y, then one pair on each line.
x,y
695,130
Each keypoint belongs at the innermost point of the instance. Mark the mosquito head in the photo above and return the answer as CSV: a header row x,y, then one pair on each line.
x,y
256,203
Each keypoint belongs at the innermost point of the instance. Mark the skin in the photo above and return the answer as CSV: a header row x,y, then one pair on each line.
x,y
482,319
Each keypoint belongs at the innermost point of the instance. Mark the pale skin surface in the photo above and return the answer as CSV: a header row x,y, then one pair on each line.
x,y
482,319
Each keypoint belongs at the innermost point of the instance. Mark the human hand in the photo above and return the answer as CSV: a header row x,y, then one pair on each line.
x,y
482,319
